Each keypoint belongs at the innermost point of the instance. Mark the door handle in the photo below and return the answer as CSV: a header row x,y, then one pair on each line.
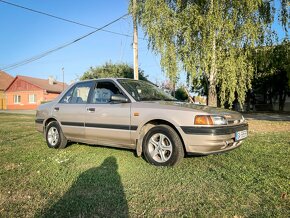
x,y
91,109
56,109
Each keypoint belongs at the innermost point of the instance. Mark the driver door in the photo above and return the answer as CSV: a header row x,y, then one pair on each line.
x,y
107,122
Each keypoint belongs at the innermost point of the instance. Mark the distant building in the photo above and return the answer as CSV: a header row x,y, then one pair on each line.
x,y
5,80
26,93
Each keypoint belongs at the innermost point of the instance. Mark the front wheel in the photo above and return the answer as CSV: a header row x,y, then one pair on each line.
x,y
54,136
162,146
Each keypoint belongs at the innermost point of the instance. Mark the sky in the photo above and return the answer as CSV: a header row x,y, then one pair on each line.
x,y
25,34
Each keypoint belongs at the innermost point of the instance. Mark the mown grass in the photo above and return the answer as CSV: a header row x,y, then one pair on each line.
x,y
92,181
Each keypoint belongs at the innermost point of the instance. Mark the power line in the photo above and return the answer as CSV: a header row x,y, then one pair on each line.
x,y
64,19
26,61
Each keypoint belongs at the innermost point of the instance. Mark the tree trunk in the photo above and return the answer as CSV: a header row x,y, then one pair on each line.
x,y
212,94
282,99
173,89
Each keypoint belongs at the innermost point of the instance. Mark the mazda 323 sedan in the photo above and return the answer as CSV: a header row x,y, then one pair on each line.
x,y
137,115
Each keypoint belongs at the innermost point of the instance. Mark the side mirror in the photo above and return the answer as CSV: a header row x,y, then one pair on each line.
x,y
119,98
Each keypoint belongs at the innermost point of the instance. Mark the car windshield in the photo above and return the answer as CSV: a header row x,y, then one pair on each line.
x,y
145,91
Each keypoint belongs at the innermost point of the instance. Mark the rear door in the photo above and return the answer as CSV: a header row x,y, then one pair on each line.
x,y
108,122
71,110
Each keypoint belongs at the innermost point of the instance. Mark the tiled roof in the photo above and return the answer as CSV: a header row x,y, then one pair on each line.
x,y
44,84
5,80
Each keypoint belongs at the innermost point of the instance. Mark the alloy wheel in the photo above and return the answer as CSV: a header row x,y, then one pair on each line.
x,y
160,147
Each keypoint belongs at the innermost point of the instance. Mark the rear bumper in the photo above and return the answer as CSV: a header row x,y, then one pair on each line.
x,y
209,140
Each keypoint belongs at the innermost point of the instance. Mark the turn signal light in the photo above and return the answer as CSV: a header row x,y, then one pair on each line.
x,y
203,120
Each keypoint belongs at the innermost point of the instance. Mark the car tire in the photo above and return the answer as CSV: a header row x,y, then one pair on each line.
x,y
54,136
162,146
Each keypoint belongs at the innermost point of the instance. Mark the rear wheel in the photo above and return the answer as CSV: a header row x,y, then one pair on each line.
x,y
162,146
54,136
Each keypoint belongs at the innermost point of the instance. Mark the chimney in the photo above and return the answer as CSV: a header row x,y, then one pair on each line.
x,y
50,80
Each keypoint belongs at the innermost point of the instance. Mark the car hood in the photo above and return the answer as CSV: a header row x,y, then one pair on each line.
x,y
228,114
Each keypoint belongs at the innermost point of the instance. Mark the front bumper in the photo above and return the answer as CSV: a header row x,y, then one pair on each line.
x,y
39,125
209,140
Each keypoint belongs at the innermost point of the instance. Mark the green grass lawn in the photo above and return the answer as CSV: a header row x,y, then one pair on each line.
x,y
92,181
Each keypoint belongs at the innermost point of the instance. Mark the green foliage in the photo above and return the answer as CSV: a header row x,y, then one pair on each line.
x,y
181,94
209,39
199,84
110,70
272,76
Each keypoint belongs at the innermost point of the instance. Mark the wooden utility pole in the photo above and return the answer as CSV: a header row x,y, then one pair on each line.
x,y
135,40
62,78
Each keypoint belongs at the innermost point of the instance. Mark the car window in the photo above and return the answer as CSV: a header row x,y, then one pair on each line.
x,y
103,92
144,91
78,94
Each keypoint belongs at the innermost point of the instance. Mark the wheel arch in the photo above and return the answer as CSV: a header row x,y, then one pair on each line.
x,y
47,121
147,126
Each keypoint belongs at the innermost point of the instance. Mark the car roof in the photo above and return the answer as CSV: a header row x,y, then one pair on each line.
x,y
115,80
107,78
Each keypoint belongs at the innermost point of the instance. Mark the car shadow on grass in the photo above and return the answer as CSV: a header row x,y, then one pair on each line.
x,y
97,192
70,143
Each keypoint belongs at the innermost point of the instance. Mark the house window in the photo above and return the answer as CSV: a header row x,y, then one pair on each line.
x,y
17,99
32,98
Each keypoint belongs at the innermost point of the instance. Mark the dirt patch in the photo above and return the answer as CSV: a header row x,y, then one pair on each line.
x,y
12,166
268,126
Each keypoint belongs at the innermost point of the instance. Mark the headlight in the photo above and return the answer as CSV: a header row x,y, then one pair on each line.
x,y
218,120
209,120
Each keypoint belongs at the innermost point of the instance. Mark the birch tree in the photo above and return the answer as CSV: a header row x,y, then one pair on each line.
x,y
211,39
